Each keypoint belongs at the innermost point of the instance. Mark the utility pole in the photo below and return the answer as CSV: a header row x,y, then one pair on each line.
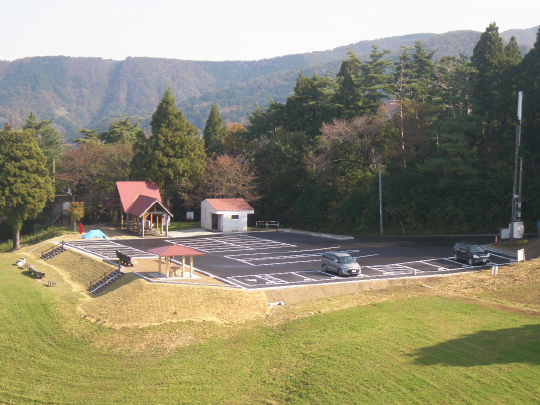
x,y
54,186
380,195
516,198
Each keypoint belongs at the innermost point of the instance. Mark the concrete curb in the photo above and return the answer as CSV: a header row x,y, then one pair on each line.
x,y
320,235
514,255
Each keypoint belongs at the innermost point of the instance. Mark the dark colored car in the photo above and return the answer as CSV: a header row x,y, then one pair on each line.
x,y
472,254
341,263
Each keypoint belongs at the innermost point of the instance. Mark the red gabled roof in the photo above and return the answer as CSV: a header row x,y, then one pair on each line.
x,y
175,250
142,204
229,204
128,191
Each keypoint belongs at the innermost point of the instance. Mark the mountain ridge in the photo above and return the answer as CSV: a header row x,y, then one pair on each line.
x,y
79,92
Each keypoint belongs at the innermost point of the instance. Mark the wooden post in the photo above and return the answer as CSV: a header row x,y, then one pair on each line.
x,y
142,223
191,266
167,261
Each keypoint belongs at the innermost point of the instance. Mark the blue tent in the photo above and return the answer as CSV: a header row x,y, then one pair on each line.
x,y
94,233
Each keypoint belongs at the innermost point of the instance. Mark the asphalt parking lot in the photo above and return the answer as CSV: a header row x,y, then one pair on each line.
x,y
272,259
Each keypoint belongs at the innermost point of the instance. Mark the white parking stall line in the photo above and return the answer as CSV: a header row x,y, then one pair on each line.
x,y
291,251
232,243
247,261
510,260
438,266
107,249
288,257
279,279
395,269
297,256
264,256
305,278
254,280
278,263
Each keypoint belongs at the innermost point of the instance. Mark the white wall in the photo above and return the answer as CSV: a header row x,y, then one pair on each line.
x,y
206,215
230,224
226,223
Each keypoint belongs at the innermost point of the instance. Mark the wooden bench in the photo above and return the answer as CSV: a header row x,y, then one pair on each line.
x,y
51,283
35,273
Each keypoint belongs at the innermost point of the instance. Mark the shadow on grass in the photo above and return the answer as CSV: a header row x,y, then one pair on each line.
x,y
121,282
502,346
27,273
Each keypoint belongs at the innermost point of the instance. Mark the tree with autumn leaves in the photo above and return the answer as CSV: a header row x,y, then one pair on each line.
x,y
91,171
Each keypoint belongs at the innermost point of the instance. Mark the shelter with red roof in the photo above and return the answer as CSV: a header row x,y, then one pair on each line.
x,y
225,214
137,207
170,251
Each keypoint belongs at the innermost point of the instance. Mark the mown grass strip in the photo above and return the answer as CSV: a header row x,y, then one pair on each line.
x,y
417,350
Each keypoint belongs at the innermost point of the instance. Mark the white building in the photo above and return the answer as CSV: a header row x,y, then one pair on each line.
x,y
225,214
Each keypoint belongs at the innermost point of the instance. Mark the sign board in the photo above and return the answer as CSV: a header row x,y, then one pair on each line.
x,y
521,255
189,215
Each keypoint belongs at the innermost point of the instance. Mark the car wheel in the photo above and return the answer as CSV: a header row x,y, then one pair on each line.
x,y
340,273
455,257
470,262
324,267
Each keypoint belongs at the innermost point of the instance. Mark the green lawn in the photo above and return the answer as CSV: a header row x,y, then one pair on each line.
x,y
418,350
181,226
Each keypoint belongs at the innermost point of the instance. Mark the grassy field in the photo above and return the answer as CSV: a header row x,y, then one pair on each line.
x,y
405,345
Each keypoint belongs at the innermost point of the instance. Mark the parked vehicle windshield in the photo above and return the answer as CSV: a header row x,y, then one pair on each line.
x,y
476,249
346,259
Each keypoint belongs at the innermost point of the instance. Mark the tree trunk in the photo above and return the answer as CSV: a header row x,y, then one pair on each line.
x,y
16,238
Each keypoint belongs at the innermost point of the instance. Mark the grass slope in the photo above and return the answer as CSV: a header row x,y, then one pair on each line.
x,y
134,301
410,348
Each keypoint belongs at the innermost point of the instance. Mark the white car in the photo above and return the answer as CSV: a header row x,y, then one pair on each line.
x,y
341,263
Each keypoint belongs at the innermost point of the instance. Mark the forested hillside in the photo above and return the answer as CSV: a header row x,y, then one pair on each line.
x,y
438,134
89,92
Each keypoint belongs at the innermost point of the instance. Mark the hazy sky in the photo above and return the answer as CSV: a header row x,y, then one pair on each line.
x,y
234,29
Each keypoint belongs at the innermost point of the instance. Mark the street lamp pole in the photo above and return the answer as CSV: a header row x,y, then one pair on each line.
x,y
380,195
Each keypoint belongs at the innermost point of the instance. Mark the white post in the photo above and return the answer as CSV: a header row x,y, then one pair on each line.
x,y
183,265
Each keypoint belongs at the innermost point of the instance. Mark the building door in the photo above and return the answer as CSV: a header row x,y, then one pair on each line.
x,y
215,222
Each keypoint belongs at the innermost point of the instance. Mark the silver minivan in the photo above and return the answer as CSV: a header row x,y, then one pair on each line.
x,y
341,263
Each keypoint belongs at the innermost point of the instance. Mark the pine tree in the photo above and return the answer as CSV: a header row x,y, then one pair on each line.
x,y
90,136
49,139
348,96
25,183
174,154
488,58
214,131
122,131
310,105
508,94
376,80
529,83
422,73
